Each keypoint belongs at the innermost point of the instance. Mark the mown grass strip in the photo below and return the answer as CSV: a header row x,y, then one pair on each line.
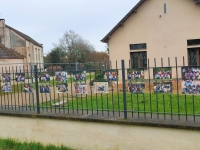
x,y
11,144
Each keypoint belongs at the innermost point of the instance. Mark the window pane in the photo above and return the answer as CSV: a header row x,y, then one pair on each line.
x,y
193,42
192,57
138,46
143,59
134,60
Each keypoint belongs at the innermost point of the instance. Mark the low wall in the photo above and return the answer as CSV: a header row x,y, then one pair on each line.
x,y
97,136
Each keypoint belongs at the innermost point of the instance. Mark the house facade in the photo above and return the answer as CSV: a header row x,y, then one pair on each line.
x,y
31,50
160,29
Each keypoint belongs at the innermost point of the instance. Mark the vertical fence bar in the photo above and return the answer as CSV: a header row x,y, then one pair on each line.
x,y
150,88
124,89
177,89
36,88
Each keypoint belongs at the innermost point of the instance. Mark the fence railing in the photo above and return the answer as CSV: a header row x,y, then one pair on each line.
x,y
99,89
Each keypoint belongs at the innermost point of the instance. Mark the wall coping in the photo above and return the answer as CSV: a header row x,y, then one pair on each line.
x,y
189,125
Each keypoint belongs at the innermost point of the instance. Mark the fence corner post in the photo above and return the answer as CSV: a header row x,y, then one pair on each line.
x,y
36,88
124,89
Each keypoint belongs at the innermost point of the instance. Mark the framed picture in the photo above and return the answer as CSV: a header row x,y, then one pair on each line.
x,y
111,75
190,87
163,87
62,88
100,87
20,77
44,88
61,77
80,88
135,74
6,87
79,75
136,88
5,77
44,77
164,73
191,73
28,88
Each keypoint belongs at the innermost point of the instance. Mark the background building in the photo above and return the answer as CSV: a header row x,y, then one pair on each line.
x,y
22,44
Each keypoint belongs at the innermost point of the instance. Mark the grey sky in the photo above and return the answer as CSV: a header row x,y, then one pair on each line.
x,y
47,20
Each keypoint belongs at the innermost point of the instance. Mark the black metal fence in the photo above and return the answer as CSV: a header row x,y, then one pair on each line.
x,y
99,89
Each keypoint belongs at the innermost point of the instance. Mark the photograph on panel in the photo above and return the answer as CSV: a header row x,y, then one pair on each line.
x,y
190,87
79,75
6,87
163,87
162,73
111,75
61,76
100,87
135,74
136,87
80,88
191,73
44,88
44,77
62,88
28,88
5,77
20,77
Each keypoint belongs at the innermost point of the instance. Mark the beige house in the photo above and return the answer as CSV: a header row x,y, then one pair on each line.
x,y
21,43
157,29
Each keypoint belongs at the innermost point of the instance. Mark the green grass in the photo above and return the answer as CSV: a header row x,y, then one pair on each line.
x,y
154,103
11,144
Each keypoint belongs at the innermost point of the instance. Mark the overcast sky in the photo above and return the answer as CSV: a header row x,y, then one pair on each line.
x,y
47,20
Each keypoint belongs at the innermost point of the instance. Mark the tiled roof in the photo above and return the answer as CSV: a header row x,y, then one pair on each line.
x,y
105,39
6,53
26,37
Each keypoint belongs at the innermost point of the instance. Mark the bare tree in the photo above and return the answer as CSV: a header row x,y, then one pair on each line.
x,y
77,49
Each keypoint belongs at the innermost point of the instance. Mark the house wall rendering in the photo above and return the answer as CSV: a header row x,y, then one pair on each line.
x,y
164,26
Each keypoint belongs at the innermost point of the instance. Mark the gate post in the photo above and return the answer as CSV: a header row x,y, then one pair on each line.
x,y
124,89
36,88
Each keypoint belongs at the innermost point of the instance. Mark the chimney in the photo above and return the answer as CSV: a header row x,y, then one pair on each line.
x,y
2,31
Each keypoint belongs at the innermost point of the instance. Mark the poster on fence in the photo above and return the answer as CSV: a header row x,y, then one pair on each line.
x,y
111,75
44,88
61,77
163,87
100,87
28,88
6,87
190,73
20,77
79,75
190,87
62,88
5,77
135,74
44,77
136,88
164,73
80,88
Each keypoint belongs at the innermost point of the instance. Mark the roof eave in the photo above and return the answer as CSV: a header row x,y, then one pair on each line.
x,y
133,10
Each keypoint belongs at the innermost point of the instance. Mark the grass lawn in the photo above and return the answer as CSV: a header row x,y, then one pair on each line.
x,y
10,144
149,103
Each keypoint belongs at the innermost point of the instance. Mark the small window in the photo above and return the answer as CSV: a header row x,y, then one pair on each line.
x,y
165,8
193,42
139,59
138,46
